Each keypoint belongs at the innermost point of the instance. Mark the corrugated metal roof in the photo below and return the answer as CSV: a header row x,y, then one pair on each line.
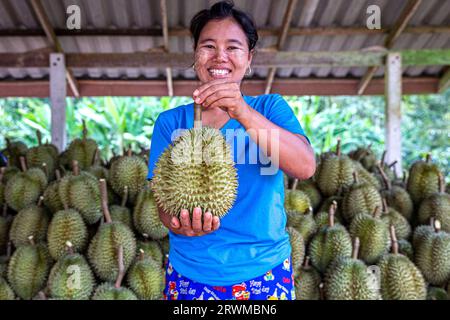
x,y
139,14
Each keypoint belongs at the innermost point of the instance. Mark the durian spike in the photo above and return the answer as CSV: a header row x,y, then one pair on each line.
x,y
428,158
384,177
197,116
121,266
125,196
294,184
23,164
376,212
40,201
58,174
306,265
393,240
355,250
31,240
84,129
141,254
441,183
331,213
338,147
104,197
39,137
437,226
385,205
45,169
75,168
355,177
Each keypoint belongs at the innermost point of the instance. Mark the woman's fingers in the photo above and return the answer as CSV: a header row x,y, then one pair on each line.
x,y
185,220
207,223
200,226
175,223
215,223
197,220
202,97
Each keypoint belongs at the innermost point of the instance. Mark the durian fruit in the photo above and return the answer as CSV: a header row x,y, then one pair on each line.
x,y
128,171
31,221
43,153
111,235
28,269
396,197
80,191
303,223
335,173
71,277
25,188
110,291
146,278
321,219
437,206
405,248
9,172
423,180
82,150
329,243
436,293
146,216
365,176
66,225
14,150
309,187
152,249
122,213
400,279
307,282
296,200
5,223
432,255
298,248
393,217
328,202
51,195
373,233
6,293
365,156
360,198
347,278
420,232
4,260
386,168
197,170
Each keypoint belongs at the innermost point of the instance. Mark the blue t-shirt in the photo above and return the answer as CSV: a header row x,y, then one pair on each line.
x,y
252,237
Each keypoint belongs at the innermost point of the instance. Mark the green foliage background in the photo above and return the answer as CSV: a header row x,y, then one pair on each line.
x,y
118,122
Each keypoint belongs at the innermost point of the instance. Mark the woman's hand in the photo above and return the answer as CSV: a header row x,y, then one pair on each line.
x,y
225,95
184,226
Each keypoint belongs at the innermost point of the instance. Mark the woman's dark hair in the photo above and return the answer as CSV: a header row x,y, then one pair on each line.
x,y
222,10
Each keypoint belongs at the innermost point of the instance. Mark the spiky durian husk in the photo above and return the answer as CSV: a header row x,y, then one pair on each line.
x,y
6,293
432,256
435,293
335,174
329,244
296,200
310,188
14,151
66,225
99,172
128,171
423,180
303,223
420,234
436,206
83,151
196,171
366,176
28,270
307,284
373,234
82,193
325,206
165,245
8,174
51,197
398,199
31,221
121,214
102,251
406,249
36,156
361,198
365,156
321,219
146,217
107,291
400,279
348,279
146,279
402,226
298,248
62,283
152,249
25,188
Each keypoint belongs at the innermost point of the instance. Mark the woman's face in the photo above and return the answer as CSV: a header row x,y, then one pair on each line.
x,y
222,52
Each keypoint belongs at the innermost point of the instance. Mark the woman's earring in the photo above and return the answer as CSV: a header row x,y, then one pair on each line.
x,y
193,66
249,71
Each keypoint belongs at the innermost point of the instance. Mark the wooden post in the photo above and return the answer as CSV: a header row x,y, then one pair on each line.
x,y
393,94
58,99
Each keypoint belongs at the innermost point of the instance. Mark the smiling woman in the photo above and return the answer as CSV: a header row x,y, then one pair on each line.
x,y
246,254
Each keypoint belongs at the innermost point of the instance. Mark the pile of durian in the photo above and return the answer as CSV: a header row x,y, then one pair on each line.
x,y
75,227
360,232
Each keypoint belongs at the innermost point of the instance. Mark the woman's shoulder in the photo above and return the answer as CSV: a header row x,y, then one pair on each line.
x,y
266,102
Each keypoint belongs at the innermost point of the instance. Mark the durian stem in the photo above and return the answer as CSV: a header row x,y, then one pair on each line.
x,y
441,183
385,206
75,168
121,266
392,164
369,147
129,152
437,226
383,157
8,143
197,116
31,240
23,164
66,207
84,129
338,147
8,250
394,240
355,250
428,158
331,213
294,184
404,176
94,159
39,137
69,247
306,265
125,196
58,174
40,201
384,177
355,177
42,296
432,222
141,254
376,212
321,291
104,197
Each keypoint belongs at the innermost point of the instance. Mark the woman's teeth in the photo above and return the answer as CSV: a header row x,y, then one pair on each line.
x,y
219,72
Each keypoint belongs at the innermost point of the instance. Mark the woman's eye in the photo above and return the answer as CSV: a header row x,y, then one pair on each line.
x,y
233,48
209,46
